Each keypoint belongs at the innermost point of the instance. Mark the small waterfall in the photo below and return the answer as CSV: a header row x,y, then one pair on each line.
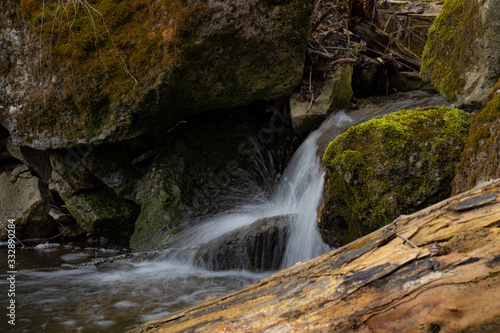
x,y
297,195
301,190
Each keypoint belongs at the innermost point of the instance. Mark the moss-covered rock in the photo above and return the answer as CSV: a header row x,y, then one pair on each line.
x,y
462,55
257,247
25,198
75,72
480,160
391,165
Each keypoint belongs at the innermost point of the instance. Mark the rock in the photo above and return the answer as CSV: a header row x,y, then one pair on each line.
x,y
152,64
480,160
379,283
257,247
111,165
37,160
391,165
205,167
96,207
408,81
462,55
26,199
336,95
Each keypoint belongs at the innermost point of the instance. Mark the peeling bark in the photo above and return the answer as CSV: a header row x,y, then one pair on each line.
x,y
379,283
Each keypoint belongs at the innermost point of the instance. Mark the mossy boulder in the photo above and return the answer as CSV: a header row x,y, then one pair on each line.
x,y
26,199
391,165
257,247
111,70
462,55
480,160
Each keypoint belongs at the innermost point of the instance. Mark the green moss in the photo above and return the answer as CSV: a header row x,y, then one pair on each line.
x,y
391,165
445,57
480,158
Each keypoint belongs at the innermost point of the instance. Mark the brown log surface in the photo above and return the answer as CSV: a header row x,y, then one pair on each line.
x,y
379,283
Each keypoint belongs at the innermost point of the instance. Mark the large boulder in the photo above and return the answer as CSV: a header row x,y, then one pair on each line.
x,y
480,160
392,165
26,199
462,55
112,70
257,247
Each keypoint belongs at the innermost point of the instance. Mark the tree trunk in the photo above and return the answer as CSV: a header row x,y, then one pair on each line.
x,y
437,270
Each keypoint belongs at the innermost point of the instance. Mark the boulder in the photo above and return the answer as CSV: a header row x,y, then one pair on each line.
x,y
462,54
26,199
115,69
257,247
391,165
336,95
480,159
436,270
95,206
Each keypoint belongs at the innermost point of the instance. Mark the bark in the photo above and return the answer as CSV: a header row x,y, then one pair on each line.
x,y
437,270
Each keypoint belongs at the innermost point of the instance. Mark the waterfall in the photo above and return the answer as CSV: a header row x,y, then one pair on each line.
x,y
298,194
301,190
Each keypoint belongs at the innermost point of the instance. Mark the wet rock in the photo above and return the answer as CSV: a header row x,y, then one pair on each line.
x,y
184,58
480,160
336,95
462,55
26,199
257,247
391,165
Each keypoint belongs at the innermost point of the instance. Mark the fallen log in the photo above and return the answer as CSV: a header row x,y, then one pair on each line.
x,y
437,270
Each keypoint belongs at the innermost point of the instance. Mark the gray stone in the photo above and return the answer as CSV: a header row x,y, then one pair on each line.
x,y
26,199
336,95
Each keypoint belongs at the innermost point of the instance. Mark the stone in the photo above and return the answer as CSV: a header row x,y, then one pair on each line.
x,y
153,63
462,55
26,199
257,247
408,81
480,161
391,165
111,165
95,206
336,95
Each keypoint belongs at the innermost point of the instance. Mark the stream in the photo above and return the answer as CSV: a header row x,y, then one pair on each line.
x,y
54,296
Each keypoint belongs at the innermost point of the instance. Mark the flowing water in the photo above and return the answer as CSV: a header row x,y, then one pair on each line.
x,y
115,297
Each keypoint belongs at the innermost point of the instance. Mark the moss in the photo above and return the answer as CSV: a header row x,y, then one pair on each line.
x,y
480,158
446,56
391,165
